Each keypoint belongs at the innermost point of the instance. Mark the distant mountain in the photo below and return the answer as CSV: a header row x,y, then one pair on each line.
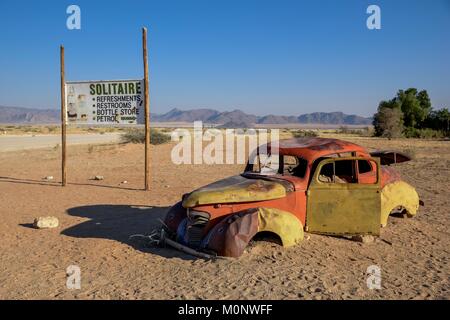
x,y
240,117
332,118
28,115
235,116
176,115
273,119
227,118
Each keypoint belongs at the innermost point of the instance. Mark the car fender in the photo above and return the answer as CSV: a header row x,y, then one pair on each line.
x,y
174,217
398,194
231,236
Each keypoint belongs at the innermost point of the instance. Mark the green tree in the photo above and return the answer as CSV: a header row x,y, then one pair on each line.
x,y
424,100
388,121
415,106
444,116
439,120
391,104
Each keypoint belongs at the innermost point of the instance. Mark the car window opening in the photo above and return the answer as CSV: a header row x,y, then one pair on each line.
x,y
342,171
287,165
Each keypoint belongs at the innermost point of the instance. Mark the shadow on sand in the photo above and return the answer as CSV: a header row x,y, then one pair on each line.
x,y
58,184
30,181
119,222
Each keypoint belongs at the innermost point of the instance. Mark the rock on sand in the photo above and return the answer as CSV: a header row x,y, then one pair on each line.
x,y
45,222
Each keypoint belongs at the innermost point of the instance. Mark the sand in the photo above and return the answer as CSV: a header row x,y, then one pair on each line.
x,y
97,217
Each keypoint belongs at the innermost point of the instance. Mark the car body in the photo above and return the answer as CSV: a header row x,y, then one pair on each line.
x,y
318,185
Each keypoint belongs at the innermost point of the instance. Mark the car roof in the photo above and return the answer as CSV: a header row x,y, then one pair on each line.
x,y
314,147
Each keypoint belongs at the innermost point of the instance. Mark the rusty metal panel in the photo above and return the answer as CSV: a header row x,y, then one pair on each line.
x,y
390,157
231,236
344,208
286,225
235,189
398,194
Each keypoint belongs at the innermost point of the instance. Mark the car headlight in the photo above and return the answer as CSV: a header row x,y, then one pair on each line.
x,y
198,216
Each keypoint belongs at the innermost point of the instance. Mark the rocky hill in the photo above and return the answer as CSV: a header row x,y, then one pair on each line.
x,y
26,115
36,116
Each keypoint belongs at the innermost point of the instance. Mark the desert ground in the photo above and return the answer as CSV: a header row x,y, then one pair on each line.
x,y
23,142
98,217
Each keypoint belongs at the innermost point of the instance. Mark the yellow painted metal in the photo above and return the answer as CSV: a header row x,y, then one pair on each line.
x,y
235,189
287,226
398,194
344,208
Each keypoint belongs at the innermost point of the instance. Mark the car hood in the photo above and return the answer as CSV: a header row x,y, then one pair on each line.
x,y
237,189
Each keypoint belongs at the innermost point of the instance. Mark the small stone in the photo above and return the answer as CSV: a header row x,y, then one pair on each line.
x,y
48,178
364,238
45,222
166,186
124,182
307,237
98,178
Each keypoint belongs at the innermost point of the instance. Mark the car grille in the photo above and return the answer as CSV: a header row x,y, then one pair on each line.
x,y
197,221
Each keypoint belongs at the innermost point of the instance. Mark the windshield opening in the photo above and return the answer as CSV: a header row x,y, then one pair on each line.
x,y
286,165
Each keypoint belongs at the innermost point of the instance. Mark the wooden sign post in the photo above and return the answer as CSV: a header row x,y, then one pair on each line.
x,y
146,110
63,119
86,105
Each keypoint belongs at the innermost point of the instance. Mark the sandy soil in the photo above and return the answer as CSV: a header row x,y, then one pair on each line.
x,y
97,218
25,142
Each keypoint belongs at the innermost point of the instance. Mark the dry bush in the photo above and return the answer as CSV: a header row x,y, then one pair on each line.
x,y
138,136
304,133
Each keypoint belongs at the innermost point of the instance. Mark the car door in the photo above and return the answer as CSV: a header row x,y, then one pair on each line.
x,y
338,204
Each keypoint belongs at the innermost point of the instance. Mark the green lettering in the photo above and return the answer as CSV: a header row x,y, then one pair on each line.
x,y
92,87
120,90
138,88
131,88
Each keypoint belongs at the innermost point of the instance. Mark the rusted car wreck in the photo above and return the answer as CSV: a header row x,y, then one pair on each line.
x,y
325,186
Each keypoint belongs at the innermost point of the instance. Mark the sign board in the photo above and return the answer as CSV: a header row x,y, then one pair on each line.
x,y
105,102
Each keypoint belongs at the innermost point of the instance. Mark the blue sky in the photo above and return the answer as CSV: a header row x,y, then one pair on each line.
x,y
279,57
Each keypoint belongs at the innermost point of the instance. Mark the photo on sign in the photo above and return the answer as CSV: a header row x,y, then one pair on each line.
x,y
105,102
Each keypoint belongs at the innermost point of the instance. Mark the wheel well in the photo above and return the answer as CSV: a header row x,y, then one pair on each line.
x,y
398,194
268,236
399,211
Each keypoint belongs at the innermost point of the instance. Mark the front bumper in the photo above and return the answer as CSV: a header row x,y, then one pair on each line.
x,y
165,240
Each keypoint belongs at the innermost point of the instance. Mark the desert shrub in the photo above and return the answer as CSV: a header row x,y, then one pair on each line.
x,y
366,132
388,122
304,133
359,131
426,133
32,129
138,136
344,130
